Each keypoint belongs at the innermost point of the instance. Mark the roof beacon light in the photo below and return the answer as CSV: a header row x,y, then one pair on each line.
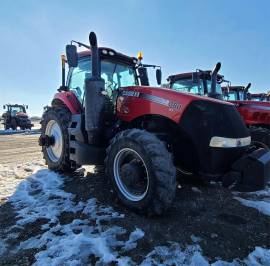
x,y
140,56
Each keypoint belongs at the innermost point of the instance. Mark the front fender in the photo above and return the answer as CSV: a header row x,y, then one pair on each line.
x,y
70,100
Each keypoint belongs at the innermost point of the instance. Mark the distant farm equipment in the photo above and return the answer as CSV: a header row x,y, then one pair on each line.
x,y
16,116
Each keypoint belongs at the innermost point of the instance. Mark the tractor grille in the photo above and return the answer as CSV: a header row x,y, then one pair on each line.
x,y
203,120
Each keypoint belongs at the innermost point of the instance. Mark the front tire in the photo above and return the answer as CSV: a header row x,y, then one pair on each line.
x,y
260,135
54,124
141,171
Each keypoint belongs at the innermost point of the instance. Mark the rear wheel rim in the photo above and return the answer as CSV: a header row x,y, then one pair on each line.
x,y
53,130
138,190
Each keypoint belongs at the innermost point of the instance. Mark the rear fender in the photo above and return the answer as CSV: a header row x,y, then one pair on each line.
x,y
68,99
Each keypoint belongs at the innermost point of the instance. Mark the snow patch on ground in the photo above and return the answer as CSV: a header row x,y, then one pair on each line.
x,y
133,238
11,176
259,200
41,196
195,239
92,236
174,255
196,190
2,247
20,131
192,256
260,205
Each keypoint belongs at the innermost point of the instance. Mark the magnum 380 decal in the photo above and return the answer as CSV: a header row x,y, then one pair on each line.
x,y
152,98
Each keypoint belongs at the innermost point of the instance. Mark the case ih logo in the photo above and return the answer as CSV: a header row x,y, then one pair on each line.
x,y
152,98
238,143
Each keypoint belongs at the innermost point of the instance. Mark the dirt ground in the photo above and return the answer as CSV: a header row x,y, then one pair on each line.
x,y
226,229
19,148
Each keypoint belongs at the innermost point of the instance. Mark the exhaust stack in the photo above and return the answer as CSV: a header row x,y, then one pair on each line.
x,y
213,93
246,93
247,87
94,99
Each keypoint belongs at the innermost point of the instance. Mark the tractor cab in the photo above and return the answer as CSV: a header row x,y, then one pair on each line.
x,y
259,97
116,69
236,93
15,109
198,82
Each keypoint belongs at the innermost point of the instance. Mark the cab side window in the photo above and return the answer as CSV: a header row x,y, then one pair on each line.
x,y
77,77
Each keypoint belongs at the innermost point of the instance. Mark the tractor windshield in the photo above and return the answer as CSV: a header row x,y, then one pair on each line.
x,y
235,95
17,109
115,75
259,97
230,96
187,85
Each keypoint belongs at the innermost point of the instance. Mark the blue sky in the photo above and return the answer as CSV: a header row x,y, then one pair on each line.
x,y
179,35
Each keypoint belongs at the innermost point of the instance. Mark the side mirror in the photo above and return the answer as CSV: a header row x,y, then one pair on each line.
x,y
4,107
143,76
158,76
195,77
26,106
72,55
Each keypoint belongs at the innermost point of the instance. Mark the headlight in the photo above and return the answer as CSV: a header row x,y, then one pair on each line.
x,y
220,142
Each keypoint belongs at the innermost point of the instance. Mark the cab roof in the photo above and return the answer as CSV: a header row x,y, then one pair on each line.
x,y
188,75
108,53
233,88
15,105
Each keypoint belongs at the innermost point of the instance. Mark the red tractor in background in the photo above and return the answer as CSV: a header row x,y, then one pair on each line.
x,y
256,114
261,97
16,116
106,113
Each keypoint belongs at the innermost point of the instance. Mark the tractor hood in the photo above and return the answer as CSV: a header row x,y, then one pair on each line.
x,y
263,106
22,114
254,112
138,100
200,119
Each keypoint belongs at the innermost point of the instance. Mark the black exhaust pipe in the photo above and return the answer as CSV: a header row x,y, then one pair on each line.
x,y
94,99
246,93
247,87
213,93
95,55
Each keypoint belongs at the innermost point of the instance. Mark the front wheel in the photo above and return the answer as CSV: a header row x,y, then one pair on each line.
x,y
141,171
55,139
260,136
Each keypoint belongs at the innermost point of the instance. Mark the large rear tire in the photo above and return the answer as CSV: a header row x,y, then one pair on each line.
x,y
54,124
260,135
141,171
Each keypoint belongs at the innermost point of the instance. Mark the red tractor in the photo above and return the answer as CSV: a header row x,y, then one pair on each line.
x,y
106,113
256,113
16,116
261,97
237,93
